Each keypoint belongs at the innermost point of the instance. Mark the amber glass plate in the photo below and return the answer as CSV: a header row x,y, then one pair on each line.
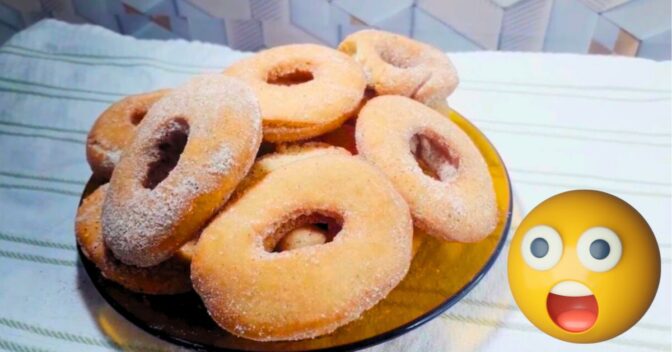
x,y
440,275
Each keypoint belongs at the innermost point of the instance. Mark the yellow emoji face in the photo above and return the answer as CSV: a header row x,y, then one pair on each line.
x,y
584,266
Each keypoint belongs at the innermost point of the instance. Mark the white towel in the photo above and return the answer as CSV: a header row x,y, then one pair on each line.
x,y
559,121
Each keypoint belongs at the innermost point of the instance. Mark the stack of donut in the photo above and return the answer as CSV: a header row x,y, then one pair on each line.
x,y
295,238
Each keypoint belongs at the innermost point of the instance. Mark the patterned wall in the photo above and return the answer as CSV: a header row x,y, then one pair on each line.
x,y
624,27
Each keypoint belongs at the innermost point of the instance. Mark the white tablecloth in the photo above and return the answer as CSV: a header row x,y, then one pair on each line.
x,y
560,122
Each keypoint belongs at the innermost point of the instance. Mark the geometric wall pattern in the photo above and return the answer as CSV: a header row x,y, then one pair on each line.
x,y
622,27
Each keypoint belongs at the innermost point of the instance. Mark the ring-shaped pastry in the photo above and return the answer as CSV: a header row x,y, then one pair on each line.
x,y
254,292
186,158
304,90
396,65
433,164
169,277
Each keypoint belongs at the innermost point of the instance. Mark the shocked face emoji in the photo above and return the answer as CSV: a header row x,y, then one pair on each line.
x,y
584,266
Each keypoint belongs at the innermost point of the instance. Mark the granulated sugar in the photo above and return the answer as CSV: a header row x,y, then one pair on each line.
x,y
139,223
221,161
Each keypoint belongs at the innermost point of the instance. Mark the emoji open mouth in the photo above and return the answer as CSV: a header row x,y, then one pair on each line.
x,y
572,306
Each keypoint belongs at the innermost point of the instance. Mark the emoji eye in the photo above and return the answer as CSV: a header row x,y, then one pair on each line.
x,y
599,249
542,247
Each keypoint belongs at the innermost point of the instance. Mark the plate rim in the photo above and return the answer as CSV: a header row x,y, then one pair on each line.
x,y
93,273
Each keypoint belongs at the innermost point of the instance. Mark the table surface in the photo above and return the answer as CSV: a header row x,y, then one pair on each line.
x,y
560,122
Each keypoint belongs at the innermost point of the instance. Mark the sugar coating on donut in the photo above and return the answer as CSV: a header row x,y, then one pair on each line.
x,y
286,154
221,161
303,147
453,198
329,90
169,277
158,200
112,157
106,158
308,291
397,65
137,219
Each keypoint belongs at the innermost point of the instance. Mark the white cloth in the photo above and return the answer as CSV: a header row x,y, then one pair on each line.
x,y
559,121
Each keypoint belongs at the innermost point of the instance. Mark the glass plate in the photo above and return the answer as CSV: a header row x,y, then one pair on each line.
x,y
440,275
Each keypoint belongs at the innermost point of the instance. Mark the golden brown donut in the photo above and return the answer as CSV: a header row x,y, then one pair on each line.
x,y
457,202
396,65
304,146
169,277
288,153
114,128
285,154
310,291
304,90
186,158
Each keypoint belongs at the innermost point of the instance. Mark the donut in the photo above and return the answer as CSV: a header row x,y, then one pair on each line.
x,y
257,293
396,65
304,90
186,158
114,128
456,201
285,154
169,277
298,150
288,153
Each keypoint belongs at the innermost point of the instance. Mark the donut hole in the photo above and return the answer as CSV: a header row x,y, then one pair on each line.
x,y
434,156
289,77
397,56
303,231
137,115
166,151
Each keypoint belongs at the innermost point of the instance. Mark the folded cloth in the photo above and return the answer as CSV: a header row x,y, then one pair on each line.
x,y
559,121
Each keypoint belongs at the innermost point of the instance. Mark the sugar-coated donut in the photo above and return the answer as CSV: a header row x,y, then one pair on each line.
x,y
169,277
186,158
309,291
397,65
304,90
286,153
299,148
114,129
457,202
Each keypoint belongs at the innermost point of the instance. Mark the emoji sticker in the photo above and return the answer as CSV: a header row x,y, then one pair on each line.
x,y
584,266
